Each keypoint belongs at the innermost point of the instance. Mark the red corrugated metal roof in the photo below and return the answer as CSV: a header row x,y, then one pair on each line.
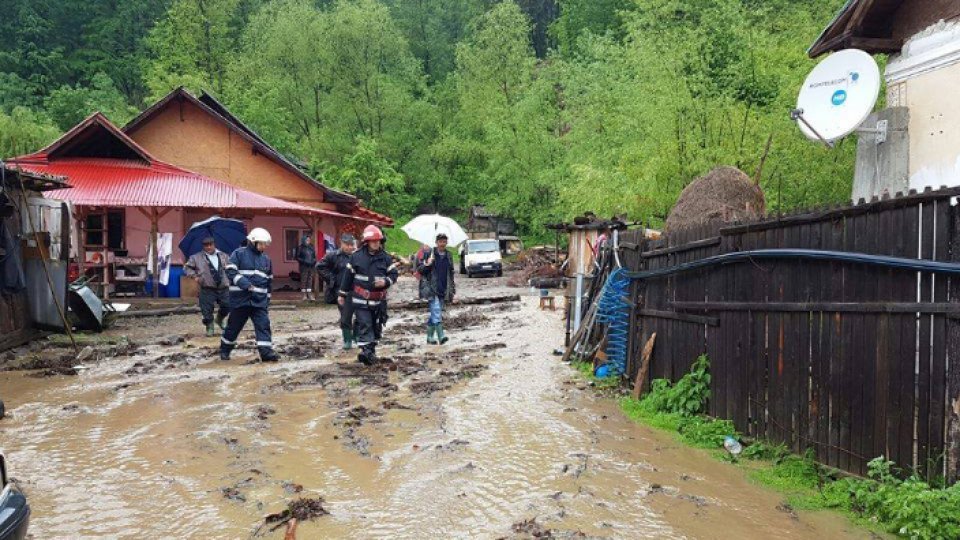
x,y
115,182
105,167
366,214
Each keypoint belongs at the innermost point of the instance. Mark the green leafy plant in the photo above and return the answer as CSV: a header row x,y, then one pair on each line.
x,y
705,432
686,397
910,507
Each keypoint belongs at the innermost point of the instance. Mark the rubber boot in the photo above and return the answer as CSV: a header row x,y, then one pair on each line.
x,y
306,296
347,339
211,331
221,322
268,355
431,334
368,355
440,335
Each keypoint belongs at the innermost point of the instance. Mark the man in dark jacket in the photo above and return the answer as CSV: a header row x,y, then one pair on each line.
x,y
437,287
250,272
307,259
364,284
209,269
331,269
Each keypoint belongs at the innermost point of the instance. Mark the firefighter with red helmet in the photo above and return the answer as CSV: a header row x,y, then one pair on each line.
x,y
370,272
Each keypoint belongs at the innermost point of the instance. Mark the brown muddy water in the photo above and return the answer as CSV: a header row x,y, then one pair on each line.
x,y
489,436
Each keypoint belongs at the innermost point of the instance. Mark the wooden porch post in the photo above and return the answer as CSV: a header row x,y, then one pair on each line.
x,y
154,231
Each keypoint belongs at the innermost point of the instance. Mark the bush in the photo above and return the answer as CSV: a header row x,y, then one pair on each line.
x,y
910,507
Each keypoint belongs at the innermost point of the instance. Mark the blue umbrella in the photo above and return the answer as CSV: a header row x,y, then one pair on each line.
x,y
227,235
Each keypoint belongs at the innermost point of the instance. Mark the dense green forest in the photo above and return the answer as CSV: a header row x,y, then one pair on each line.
x,y
539,108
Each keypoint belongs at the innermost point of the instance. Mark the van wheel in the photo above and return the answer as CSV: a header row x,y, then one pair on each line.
x,y
469,275
500,273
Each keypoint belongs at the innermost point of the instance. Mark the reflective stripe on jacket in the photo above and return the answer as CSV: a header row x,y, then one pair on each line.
x,y
250,273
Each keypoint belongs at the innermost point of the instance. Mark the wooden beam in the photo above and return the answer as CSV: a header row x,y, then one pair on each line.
x,y
685,317
832,307
863,207
876,44
644,366
706,242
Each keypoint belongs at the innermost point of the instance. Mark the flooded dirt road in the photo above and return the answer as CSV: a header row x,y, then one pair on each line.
x,y
489,436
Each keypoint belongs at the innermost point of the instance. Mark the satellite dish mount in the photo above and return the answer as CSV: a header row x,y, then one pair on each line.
x,y
837,98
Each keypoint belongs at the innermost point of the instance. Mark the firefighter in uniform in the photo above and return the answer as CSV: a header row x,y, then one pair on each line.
x,y
369,274
331,268
251,275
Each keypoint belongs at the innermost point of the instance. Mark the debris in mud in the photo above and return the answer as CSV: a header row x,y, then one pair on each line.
x,y
124,386
301,509
355,416
233,494
493,346
166,361
529,528
49,364
264,411
394,404
453,445
169,341
304,348
291,488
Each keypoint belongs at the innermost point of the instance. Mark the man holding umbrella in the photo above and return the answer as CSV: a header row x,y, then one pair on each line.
x,y
437,286
209,269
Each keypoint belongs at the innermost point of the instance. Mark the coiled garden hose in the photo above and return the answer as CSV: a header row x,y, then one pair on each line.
x,y
614,311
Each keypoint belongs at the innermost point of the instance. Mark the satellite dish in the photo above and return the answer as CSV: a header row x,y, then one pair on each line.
x,y
838,95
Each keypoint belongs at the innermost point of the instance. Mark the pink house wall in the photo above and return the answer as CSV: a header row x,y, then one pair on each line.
x,y
137,234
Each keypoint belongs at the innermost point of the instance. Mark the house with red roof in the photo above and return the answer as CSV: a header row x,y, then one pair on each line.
x,y
202,135
179,162
124,197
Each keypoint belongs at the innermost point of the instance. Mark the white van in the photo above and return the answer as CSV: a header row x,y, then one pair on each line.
x,y
481,257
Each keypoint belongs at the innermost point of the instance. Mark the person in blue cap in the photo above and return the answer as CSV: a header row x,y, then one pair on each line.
x,y
208,268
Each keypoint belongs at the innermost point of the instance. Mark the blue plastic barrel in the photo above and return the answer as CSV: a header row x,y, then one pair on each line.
x,y
172,288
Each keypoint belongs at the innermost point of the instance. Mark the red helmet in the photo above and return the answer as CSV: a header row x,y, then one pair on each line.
x,y
372,232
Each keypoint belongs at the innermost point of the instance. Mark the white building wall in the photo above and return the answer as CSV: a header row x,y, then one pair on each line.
x,y
925,77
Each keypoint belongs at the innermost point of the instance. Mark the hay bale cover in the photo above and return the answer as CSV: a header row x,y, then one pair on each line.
x,y
724,194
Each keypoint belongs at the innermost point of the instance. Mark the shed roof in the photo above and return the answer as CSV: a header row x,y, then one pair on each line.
x,y
861,24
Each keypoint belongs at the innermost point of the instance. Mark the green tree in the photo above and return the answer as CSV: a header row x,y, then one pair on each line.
x,y
23,131
69,105
370,176
192,46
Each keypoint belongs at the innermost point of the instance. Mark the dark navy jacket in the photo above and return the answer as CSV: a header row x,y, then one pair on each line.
x,y
332,267
362,271
251,278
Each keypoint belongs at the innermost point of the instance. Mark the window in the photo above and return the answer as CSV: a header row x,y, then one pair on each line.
x,y
291,240
484,246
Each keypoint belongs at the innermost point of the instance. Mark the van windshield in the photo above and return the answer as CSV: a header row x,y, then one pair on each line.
x,y
486,246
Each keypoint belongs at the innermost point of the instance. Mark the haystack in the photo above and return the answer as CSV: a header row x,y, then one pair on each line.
x,y
724,194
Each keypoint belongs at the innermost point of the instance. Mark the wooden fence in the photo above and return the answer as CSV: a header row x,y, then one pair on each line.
x,y
853,361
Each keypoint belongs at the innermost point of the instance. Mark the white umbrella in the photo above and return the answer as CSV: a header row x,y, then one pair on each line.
x,y
425,228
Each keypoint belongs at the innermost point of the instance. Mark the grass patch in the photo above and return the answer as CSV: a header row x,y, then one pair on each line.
x,y
606,383
889,500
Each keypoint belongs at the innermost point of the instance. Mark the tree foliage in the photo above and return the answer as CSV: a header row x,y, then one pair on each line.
x,y
540,109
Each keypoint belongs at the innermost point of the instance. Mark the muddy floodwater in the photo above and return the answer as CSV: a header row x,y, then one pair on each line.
x,y
489,436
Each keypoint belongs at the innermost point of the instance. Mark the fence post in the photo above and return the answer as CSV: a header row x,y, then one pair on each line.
x,y
953,359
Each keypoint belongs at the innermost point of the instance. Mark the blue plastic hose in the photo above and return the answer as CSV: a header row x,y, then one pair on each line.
x,y
614,311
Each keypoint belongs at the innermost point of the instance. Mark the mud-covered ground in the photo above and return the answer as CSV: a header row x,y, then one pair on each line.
x,y
489,436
